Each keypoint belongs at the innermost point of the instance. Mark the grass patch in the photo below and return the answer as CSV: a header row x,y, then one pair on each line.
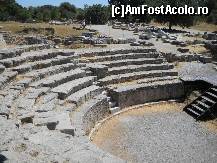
x,y
60,30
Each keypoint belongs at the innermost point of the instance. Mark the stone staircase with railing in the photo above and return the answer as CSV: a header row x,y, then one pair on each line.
x,y
205,106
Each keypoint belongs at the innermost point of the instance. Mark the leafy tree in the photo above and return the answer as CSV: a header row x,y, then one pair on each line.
x,y
212,5
80,14
55,14
67,10
173,20
96,14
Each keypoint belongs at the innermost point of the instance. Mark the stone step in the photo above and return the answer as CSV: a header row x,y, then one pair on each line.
x,y
58,79
147,92
156,79
84,95
6,77
122,57
71,87
89,114
59,60
42,73
139,61
128,77
29,57
17,51
37,56
2,68
137,68
116,51
64,124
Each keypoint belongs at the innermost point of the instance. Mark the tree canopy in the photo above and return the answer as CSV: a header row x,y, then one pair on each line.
x,y
99,14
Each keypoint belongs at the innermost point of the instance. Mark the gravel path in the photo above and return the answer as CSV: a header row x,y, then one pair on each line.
x,y
167,135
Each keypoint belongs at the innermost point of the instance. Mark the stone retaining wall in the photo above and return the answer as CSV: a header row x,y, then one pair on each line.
x,y
143,93
89,114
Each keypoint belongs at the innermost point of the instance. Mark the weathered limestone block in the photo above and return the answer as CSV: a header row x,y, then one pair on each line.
x,y
6,77
137,68
26,104
206,59
94,111
64,124
67,89
123,56
26,118
50,71
142,93
10,97
49,106
58,79
2,68
49,97
24,82
84,95
4,110
7,54
98,70
139,61
89,114
35,93
99,52
46,119
121,78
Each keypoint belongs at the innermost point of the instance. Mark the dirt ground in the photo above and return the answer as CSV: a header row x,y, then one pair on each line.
x,y
158,133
